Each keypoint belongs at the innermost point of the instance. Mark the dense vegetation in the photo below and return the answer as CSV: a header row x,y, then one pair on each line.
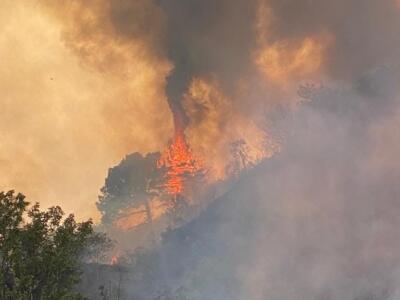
x,y
41,251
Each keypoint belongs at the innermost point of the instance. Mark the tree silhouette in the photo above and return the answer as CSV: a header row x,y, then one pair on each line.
x,y
40,251
131,184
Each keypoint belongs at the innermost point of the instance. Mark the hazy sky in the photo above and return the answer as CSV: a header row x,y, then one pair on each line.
x,y
62,124
83,83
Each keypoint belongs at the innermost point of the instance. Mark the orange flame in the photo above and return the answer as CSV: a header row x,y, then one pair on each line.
x,y
114,260
181,164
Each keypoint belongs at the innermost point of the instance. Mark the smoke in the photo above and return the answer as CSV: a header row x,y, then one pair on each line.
x,y
256,53
327,228
84,83
66,118
214,121
318,221
120,63
339,40
364,31
199,36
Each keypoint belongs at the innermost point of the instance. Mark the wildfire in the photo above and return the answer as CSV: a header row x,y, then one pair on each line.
x,y
180,163
291,59
137,216
219,130
114,260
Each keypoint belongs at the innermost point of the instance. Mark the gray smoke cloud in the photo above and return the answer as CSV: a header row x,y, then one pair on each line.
x,y
317,221
326,225
208,38
220,42
365,32
217,38
320,219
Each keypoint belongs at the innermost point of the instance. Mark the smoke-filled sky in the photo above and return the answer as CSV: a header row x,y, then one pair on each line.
x,y
65,119
83,83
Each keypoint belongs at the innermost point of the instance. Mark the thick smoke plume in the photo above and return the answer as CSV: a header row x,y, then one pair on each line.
x,y
316,80
328,228
316,221
137,56
75,99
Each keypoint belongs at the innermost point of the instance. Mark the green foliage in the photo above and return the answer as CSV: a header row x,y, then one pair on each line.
x,y
97,248
129,185
40,251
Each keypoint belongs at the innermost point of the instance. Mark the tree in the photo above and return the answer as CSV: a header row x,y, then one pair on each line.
x,y
40,251
131,184
240,158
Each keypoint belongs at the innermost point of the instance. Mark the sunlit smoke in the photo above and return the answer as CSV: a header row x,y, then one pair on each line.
x,y
288,61
138,216
216,127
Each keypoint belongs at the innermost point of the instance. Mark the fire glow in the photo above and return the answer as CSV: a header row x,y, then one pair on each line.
x,y
137,216
114,260
180,163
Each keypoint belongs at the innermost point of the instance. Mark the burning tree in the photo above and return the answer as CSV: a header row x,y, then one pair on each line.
x,y
180,164
143,188
181,167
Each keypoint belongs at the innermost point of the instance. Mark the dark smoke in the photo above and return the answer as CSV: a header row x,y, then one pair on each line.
x,y
365,31
319,220
207,38
217,39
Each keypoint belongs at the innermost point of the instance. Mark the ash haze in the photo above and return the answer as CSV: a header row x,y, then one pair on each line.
x,y
62,124
311,88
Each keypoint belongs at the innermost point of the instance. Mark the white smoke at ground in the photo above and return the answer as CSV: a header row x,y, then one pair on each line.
x,y
320,220
317,221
